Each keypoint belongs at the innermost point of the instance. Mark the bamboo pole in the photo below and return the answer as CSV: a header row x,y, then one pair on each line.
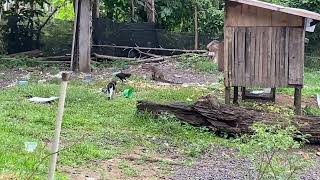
x,y
55,145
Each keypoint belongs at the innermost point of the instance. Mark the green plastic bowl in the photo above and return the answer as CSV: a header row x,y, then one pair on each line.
x,y
128,93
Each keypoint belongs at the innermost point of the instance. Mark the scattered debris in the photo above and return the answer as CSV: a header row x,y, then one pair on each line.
x,y
42,81
42,100
257,92
22,82
128,93
30,146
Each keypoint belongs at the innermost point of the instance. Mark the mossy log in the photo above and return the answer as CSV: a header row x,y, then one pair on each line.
x,y
208,112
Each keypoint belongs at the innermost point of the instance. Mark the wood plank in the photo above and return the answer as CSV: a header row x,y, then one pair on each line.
x,y
253,54
279,19
236,58
232,57
269,54
282,56
286,57
277,57
226,56
233,14
265,57
248,16
273,58
296,56
241,56
260,82
257,57
264,17
295,21
248,54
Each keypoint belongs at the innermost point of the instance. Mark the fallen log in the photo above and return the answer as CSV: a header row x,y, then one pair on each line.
x,y
135,60
208,112
31,54
57,58
156,49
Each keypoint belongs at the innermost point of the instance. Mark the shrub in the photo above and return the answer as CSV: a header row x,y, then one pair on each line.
x,y
271,149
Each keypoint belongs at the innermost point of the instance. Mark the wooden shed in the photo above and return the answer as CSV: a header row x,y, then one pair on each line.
x,y
264,46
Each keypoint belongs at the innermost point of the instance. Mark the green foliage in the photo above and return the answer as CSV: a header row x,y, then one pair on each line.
x,y
127,170
57,37
11,63
310,111
269,148
198,63
21,30
311,84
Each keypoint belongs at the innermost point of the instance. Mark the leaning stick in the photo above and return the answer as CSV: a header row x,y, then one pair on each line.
x,y
55,146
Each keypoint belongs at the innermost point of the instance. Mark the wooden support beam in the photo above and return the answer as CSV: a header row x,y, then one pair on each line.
x,y
227,95
235,95
274,92
243,93
297,100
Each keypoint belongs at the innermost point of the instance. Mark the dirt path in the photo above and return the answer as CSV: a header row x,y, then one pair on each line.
x,y
220,163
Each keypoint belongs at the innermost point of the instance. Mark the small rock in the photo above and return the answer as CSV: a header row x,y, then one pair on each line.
x,y
318,153
177,76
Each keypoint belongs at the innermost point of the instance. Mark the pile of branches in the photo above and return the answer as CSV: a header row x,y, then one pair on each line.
x,y
144,55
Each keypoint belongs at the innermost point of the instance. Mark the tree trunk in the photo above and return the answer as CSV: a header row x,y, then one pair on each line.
x,y
150,9
81,47
208,112
196,33
132,9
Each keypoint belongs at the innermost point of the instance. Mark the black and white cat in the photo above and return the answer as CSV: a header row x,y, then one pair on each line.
x,y
110,90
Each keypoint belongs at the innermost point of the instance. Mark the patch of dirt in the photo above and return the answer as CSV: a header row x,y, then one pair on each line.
x,y
224,163
135,165
175,74
9,78
220,163
285,100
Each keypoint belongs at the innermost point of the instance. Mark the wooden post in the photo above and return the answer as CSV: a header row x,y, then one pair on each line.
x,y
274,92
235,95
227,95
75,41
55,145
196,33
297,100
243,93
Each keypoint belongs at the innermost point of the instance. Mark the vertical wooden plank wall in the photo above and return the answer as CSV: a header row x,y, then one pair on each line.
x,y
263,48
264,57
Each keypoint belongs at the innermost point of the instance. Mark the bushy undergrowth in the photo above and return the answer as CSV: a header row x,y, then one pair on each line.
x,y
271,149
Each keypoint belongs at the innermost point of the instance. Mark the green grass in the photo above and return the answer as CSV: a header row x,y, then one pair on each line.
x,y
311,84
127,170
198,63
93,127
